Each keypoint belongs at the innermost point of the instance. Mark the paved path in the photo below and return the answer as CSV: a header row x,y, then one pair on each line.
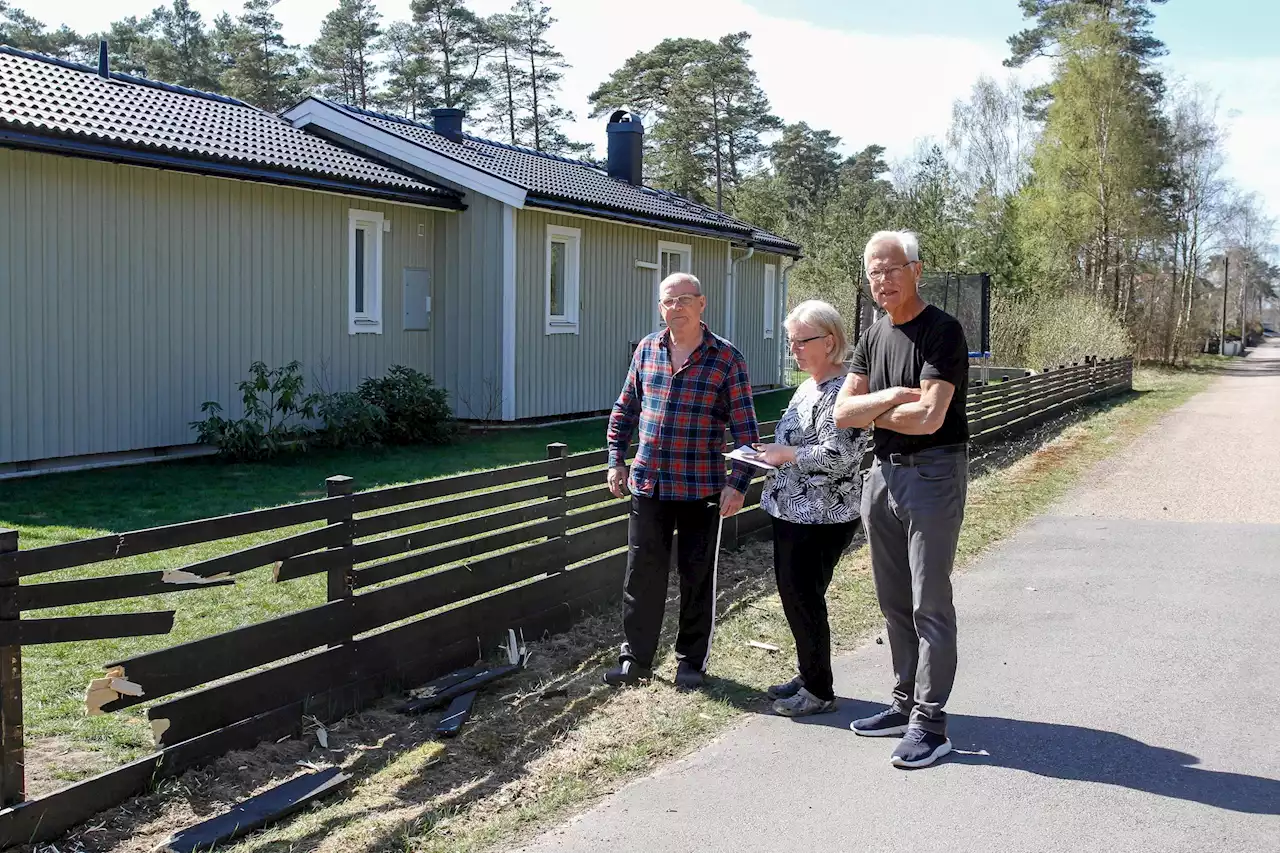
x,y
1117,686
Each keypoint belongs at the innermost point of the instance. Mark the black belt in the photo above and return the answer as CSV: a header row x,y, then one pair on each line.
x,y
925,457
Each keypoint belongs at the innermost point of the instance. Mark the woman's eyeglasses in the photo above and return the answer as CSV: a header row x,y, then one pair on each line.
x,y
799,343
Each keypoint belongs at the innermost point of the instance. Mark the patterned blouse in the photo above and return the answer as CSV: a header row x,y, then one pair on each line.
x,y
822,486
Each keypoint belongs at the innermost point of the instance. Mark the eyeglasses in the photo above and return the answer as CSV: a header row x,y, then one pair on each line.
x,y
881,275
798,343
683,301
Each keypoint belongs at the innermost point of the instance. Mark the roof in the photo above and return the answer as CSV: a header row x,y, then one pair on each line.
x,y
567,184
51,104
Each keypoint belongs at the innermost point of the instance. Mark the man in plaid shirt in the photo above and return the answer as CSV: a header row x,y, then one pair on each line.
x,y
684,386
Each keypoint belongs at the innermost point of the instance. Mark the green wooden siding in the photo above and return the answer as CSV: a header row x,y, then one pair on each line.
x,y
128,296
749,313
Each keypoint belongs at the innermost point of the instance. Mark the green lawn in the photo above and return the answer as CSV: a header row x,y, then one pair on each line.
x,y
64,507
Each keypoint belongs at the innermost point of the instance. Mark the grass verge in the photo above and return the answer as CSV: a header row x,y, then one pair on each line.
x,y
551,741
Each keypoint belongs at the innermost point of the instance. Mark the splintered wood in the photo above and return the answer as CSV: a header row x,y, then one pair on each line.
x,y
109,688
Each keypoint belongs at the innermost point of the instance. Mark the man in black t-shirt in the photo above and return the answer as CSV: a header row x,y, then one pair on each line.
x,y
909,380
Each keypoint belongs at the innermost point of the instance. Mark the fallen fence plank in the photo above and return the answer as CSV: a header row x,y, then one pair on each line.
x,y
456,715
189,664
133,543
256,812
47,817
446,486
428,703
457,552
73,629
38,596
373,524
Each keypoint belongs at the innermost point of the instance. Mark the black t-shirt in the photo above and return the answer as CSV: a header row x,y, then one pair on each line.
x,y
930,346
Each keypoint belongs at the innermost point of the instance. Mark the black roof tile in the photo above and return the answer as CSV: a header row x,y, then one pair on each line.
x,y
51,97
581,182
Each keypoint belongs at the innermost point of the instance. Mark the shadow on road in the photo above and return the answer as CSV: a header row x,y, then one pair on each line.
x,y
1080,754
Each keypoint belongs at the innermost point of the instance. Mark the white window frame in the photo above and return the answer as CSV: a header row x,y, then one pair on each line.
x,y
374,225
683,249
770,299
566,323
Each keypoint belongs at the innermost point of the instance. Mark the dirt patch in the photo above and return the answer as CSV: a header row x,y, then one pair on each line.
x,y
54,762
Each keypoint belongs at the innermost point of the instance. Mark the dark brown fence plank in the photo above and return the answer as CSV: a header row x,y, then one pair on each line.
x,y
87,590
189,664
1026,395
457,551
596,541
115,546
422,595
13,777
600,513
1040,400
268,552
445,486
374,524
583,481
73,629
590,498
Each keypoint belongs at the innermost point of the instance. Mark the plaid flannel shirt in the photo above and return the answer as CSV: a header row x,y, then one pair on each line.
x,y
682,415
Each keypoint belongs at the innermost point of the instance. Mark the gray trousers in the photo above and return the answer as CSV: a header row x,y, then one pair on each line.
x,y
912,514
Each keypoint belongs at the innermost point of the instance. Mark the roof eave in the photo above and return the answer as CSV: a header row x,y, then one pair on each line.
x,y
549,202
141,156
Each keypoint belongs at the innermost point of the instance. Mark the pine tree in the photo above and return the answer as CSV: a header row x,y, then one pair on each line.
x,y
457,42
342,57
411,72
21,30
182,51
509,93
264,69
544,69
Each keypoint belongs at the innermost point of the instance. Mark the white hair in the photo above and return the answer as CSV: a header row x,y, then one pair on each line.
x,y
681,278
906,240
824,317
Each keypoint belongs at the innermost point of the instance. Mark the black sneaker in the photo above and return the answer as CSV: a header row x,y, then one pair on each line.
x,y
786,691
888,723
629,672
688,676
920,748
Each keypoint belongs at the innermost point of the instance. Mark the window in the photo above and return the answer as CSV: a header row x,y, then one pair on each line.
x,y
563,278
770,298
672,257
364,271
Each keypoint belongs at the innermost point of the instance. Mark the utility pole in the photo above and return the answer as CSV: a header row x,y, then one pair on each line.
x,y
1226,286
1244,308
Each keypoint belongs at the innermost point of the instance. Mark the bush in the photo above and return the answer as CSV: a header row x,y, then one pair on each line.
x,y
1051,330
416,410
272,398
350,421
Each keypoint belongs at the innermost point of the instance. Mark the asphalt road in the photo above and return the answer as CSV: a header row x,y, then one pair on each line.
x,y
1117,684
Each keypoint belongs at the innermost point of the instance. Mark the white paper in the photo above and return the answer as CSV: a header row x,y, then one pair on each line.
x,y
746,454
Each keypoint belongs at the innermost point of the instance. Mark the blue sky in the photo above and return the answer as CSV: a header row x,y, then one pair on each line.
x,y
833,63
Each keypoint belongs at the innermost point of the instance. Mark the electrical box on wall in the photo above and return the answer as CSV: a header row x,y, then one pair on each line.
x,y
417,299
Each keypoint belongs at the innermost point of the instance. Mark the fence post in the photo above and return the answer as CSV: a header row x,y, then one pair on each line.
x,y
341,580
13,784
559,450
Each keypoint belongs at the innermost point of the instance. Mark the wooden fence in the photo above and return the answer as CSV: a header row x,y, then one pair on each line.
x,y
417,575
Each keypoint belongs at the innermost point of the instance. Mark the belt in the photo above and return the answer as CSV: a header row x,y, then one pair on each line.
x,y
925,457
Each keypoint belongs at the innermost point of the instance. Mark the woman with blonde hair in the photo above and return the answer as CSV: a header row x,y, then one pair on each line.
x,y
813,498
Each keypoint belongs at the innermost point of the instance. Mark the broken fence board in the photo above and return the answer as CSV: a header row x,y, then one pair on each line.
x,y
73,629
48,817
88,590
457,551
476,682
456,715
256,812
189,664
117,545
388,521
270,552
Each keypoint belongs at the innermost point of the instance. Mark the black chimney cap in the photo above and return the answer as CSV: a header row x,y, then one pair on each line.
x,y
447,122
104,63
626,147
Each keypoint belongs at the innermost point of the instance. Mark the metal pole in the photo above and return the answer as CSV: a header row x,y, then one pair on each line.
x,y
1244,284
1226,286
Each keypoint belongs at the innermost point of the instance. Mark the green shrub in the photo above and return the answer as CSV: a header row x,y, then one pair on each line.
x,y
416,410
349,420
1052,330
275,416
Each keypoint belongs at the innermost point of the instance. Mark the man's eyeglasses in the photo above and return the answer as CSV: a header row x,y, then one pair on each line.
x,y
683,301
798,343
881,275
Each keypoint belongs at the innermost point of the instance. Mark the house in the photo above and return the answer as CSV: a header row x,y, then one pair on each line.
x,y
155,240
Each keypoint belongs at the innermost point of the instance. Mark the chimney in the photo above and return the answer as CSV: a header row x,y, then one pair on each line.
x,y
104,65
448,122
626,148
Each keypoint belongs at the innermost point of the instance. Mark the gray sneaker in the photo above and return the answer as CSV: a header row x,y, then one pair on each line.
x,y
803,704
